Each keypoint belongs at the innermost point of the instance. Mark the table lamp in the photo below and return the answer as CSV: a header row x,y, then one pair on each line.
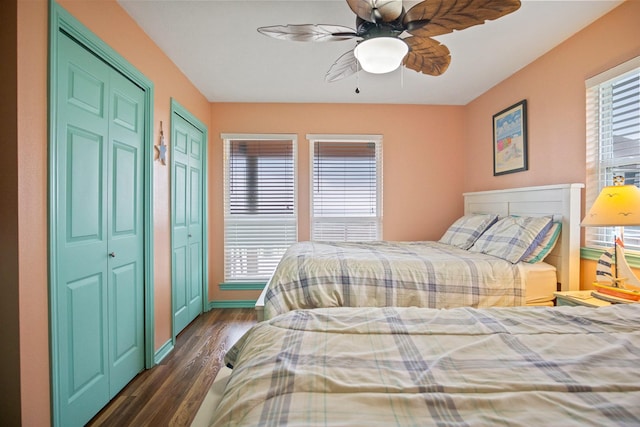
x,y
617,205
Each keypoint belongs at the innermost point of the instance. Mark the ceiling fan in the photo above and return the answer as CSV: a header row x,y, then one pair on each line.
x,y
388,36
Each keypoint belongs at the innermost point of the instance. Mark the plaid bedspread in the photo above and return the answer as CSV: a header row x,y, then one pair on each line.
x,y
516,366
390,274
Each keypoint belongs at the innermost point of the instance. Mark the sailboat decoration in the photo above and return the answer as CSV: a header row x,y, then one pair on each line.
x,y
624,285
604,273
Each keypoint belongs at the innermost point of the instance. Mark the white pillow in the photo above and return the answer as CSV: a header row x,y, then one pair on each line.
x,y
466,230
513,238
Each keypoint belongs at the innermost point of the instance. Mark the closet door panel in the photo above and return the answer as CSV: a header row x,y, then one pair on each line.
x,y
125,228
81,199
87,364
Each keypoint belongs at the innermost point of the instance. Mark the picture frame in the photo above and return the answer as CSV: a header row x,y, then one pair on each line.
x,y
510,146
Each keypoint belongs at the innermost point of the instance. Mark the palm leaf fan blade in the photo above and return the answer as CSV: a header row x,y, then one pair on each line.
x,y
308,32
376,10
427,56
344,66
435,17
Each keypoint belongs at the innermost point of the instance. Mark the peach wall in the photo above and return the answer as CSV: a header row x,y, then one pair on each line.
x,y
32,209
554,89
109,22
422,148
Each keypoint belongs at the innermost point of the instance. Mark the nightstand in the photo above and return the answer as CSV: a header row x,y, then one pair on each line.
x,y
579,298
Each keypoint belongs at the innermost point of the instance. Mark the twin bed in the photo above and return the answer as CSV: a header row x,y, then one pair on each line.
x,y
436,274
407,366
338,349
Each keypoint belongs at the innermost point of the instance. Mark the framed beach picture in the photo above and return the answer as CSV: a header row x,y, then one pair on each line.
x,y
510,139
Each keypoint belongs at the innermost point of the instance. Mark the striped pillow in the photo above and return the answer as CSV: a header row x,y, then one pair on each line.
x,y
466,230
546,245
513,238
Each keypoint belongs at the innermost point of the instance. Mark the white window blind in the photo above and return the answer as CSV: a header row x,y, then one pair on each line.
x,y
346,181
613,142
259,204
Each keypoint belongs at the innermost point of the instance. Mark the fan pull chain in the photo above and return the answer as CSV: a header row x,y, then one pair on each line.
x,y
357,77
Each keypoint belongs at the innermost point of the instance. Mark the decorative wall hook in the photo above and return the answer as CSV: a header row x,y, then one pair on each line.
x,y
162,148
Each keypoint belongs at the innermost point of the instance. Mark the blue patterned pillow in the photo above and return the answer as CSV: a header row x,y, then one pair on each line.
x,y
466,230
546,245
513,238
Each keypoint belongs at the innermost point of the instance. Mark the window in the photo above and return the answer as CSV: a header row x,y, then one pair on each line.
x,y
613,141
259,204
346,181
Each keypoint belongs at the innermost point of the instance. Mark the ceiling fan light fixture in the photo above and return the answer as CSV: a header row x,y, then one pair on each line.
x,y
381,55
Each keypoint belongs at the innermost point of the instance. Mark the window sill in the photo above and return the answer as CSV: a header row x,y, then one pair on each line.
x,y
633,259
242,286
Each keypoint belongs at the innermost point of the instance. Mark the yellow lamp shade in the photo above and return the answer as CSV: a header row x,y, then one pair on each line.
x,y
616,205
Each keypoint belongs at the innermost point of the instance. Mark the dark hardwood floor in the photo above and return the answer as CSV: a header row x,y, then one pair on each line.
x,y
171,392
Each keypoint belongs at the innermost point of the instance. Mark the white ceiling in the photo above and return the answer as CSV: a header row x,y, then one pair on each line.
x,y
216,45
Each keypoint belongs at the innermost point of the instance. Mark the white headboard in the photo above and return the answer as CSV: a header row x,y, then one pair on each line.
x,y
562,201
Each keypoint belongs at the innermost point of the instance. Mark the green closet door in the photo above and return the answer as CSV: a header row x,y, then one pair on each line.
x,y
99,335
125,229
187,222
